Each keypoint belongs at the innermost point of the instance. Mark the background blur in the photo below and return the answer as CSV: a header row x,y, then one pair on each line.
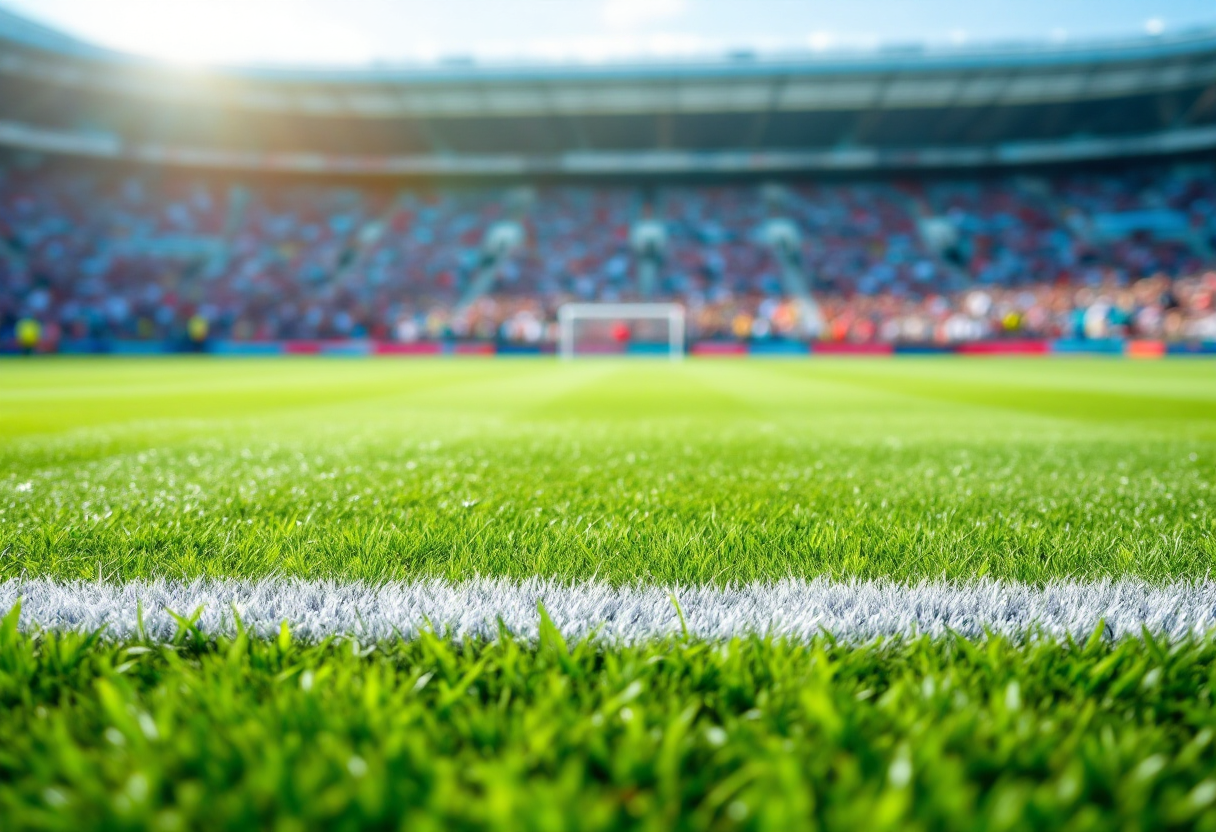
x,y
374,176
309,32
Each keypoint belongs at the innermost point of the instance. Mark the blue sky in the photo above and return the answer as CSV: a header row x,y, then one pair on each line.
x,y
366,31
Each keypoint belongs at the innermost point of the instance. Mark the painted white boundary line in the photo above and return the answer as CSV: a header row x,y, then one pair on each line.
x,y
851,610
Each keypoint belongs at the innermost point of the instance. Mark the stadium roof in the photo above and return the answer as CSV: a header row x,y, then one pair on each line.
x,y
896,108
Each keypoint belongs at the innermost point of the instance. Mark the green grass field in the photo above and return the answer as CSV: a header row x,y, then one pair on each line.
x,y
706,473
930,735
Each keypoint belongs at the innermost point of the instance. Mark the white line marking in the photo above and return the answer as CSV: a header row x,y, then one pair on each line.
x,y
854,611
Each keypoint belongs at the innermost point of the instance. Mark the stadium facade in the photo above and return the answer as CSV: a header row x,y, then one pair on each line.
x,y
898,109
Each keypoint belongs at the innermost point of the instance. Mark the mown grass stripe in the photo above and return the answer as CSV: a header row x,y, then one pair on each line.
x,y
855,611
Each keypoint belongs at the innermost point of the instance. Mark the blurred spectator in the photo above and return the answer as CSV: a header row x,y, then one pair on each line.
x,y
29,333
94,255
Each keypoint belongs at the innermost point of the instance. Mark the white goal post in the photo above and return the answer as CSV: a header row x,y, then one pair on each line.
x,y
569,314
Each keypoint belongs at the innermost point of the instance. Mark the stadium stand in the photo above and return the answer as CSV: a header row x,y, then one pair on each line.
x,y
135,258
923,197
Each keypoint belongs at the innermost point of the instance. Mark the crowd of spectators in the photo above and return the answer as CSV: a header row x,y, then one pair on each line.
x,y
89,254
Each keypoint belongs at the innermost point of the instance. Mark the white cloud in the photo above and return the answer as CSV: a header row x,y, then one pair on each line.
x,y
225,31
602,48
819,41
1154,26
630,14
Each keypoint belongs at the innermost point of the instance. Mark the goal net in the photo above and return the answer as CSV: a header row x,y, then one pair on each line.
x,y
621,329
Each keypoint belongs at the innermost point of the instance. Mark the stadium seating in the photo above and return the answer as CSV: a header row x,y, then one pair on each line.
x,y
135,257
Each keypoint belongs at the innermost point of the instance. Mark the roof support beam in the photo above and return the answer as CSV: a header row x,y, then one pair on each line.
x,y
1204,104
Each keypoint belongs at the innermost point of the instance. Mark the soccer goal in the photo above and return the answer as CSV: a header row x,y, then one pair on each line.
x,y
621,328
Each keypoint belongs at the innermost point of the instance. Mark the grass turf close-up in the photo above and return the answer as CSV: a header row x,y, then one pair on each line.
x,y
837,594
743,734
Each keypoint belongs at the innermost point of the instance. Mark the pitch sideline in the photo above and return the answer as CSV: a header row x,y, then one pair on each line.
x,y
851,610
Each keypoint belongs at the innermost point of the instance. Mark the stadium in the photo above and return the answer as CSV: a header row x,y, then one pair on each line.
x,y
764,440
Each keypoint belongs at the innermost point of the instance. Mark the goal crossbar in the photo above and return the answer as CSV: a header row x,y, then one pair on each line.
x,y
568,314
